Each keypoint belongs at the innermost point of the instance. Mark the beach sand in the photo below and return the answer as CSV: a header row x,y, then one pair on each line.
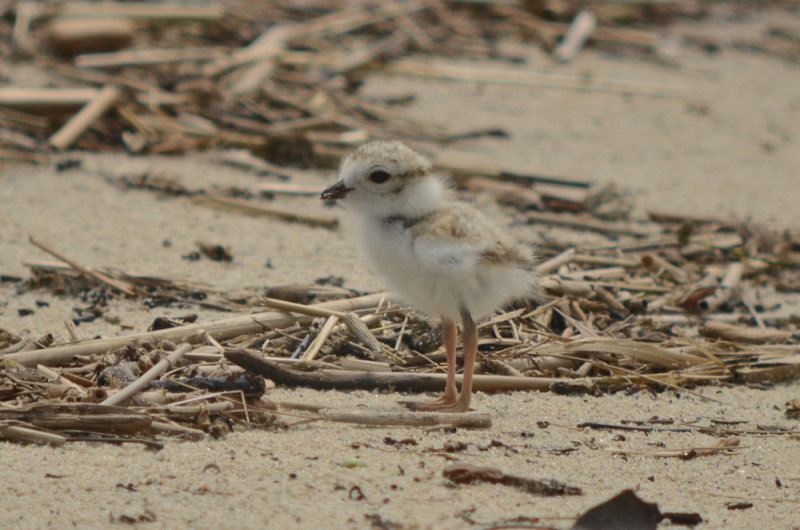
x,y
730,146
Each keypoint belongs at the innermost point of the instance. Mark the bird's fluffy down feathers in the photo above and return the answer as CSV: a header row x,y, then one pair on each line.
x,y
439,254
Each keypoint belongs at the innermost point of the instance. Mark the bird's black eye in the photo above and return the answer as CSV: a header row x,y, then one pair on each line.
x,y
379,176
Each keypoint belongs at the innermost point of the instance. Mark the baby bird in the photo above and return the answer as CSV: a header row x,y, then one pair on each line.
x,y
442,256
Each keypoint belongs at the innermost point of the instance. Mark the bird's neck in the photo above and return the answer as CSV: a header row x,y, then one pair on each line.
x,y
394,222
419,198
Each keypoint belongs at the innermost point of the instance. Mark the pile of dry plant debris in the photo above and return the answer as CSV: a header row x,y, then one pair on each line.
x,y
281,79
670,302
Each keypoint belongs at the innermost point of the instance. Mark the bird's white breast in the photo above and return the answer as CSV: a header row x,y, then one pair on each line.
x,y
439,280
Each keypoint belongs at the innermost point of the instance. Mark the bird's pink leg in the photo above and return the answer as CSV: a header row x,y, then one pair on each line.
x,y
469,341
453,403
450,335
450,397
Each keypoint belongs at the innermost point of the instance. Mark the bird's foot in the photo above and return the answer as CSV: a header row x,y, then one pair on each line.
x,y
443,404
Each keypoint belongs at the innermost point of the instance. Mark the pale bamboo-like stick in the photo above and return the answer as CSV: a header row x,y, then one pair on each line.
x,y
72,330
269,211
142,57
576,36
358,328
219,329
99,105
86,271
174,429
252,79
748,335
526,78
569,287
46,98
366,380
410,419
591,224
587,259
654,261
55,377
526,197
24,433
310,310
154,372
727,288
144,10
290,189
355,325
554,263
313,349
638,351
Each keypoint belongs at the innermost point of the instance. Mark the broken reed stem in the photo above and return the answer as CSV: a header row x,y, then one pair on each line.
x,y
410,419
23,433
143,10
576,36
553,264
219,329
268,211
153,373
46,98
747,335
85,118
86,271
514,77
727,288
655,262
55,377
358,328
292,307
345,379
72,330
142,57
587,223
276,188
312,351
355,325
673,386
174,429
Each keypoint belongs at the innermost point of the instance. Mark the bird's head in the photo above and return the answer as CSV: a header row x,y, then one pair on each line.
x,y
383,179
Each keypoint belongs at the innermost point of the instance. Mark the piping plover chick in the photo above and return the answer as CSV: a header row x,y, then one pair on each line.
x,y
442,256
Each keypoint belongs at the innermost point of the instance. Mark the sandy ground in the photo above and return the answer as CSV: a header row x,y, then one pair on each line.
x,y
730,147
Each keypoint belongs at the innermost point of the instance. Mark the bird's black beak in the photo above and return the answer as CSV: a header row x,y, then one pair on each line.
x,y
336,191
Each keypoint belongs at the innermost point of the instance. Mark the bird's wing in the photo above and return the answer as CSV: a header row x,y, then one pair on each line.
x,y
460,238
447,255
